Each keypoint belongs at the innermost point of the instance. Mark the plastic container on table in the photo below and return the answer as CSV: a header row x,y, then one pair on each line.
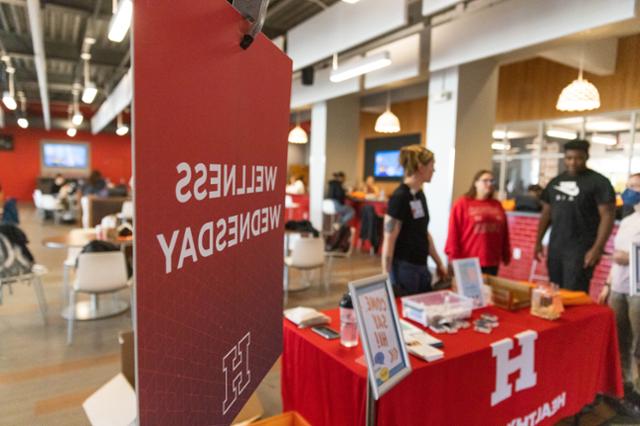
x,y
289,418
431,308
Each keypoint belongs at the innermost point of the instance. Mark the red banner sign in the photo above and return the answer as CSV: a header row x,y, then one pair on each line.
x,y
210,147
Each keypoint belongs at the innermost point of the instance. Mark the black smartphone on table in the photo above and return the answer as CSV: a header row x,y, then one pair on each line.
x,y
326,332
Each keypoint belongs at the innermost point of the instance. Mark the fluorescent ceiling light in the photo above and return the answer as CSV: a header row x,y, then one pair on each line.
x,y
298,135
71,132
501,146
23,122
89,93
511,134
607,126
604,140
9,101
350,1
121,21
362,66
561,134
499,134
77,118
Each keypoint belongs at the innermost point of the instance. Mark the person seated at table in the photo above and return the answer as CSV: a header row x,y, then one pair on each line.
x,y
530,202
296,185
95,185
370,187
626,307
407,242
8,209
58,182
338,194
478,226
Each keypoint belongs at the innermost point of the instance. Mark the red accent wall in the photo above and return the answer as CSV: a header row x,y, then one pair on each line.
x,y
523,230
111,154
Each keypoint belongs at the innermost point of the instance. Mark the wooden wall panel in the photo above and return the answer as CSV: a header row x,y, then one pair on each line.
x,y
529,90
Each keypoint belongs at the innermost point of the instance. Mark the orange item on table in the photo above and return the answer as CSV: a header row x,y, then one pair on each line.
x,y
573,298
509,205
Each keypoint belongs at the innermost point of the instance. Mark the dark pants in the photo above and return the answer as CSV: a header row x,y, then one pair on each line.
x,y
566,268
409,278
490,270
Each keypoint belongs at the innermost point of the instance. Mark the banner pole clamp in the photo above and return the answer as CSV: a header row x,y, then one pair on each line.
x,y
255,11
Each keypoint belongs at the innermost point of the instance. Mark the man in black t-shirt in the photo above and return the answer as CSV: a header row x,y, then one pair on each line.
x,y
580,206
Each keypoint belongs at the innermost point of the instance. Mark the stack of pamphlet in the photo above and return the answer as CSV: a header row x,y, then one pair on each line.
x,y
420,343
306,317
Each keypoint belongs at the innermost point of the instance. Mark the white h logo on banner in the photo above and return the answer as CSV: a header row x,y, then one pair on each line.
x,y
237,376
524,363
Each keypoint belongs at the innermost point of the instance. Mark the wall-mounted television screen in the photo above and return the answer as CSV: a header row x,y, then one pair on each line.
x,y
382,156
64,157
387,164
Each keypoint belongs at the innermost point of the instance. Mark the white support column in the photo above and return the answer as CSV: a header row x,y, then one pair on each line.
x,y
334,146
317,162
460,120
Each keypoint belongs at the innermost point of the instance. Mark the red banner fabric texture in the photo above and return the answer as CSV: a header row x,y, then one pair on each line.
x,y
210,147
573,359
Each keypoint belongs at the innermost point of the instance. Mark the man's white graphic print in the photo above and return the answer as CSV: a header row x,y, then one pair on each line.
x,y
569,188
505,366
237,375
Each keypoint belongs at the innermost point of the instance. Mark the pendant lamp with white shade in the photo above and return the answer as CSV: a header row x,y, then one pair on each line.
x,y
387,122
579,95
297,134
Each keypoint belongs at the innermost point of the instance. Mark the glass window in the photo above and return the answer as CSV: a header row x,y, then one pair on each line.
x,y
610,137
533,152
635,162
516,162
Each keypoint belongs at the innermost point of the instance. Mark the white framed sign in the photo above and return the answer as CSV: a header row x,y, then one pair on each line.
x,y
634,269
381,333
469,281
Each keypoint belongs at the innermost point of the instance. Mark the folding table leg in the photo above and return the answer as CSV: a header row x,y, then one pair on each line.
x,y
72,314
42,302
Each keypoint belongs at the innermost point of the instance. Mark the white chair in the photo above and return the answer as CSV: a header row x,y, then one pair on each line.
x,y
84,206
126,212
307,255
72,256
331,213
331,255
97,273
33,277
47,203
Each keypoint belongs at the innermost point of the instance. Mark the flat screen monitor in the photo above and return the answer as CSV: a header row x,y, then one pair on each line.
x,y
387,164
382,155
64,157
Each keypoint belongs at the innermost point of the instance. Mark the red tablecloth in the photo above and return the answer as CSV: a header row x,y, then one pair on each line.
x,y
575,356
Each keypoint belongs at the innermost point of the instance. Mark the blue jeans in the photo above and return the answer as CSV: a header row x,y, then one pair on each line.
x,y
408,278
345,212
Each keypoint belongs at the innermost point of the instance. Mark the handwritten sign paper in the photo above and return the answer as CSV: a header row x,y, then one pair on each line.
x,y
380,331
469,279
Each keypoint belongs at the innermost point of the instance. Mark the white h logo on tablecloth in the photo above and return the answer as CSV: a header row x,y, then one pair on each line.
x,y
524,363
237,375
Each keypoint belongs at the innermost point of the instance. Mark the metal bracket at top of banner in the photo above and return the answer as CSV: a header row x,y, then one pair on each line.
x,y
256,12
